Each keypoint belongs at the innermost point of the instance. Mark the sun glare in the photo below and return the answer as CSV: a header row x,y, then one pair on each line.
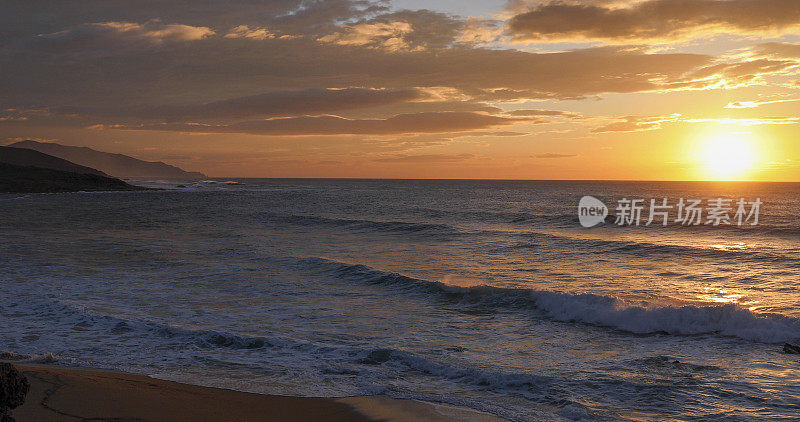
x,y
728,156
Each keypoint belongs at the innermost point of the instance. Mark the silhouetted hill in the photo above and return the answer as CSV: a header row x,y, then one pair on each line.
x,y
28,157
24,170
117,165
26,179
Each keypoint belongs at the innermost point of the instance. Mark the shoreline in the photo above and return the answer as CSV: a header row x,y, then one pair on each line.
x,y
69,394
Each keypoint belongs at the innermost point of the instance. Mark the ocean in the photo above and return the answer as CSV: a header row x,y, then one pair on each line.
x,y
484,294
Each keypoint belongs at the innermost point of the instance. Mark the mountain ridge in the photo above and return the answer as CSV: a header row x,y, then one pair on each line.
x,y
116,165
25,157
29,171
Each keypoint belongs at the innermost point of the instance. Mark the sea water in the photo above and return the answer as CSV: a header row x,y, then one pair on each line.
x,y
485,294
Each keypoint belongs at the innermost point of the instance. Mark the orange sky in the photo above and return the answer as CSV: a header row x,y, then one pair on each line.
x,y
644,90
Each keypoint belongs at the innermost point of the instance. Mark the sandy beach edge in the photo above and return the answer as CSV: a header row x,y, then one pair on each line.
x,y
70,394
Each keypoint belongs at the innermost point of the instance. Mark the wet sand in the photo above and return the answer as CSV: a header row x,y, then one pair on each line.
x,y
75,394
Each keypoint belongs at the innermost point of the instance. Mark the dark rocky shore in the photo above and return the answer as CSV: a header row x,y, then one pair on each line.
x,y
14,387
19,179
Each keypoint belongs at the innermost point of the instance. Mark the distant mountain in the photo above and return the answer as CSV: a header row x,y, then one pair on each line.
x,y
117,165
24,171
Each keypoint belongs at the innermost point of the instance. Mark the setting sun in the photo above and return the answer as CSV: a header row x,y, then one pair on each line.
x,y
728,156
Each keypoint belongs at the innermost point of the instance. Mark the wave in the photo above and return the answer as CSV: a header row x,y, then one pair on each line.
x,y
376,366
672,363
278,357
655,249
642,248
600,310
560,220
761,231
366,225
503,217
446,232
30,358
133,334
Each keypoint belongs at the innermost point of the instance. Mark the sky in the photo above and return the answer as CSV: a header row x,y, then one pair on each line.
x,y
593,89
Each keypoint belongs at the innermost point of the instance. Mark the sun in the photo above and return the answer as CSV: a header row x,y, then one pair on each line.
x,y
728,156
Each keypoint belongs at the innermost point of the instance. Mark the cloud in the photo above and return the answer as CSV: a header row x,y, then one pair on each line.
x,y
494,132
741,73
534,112
426,158
184,80
777,49
253,33
644,123
112,38
666,21
13,118
748,122
28,18
755,104
743,104
405,30
510,75
431,122
732,73
636,124
555,155
389,36
418,106
480,31
275,103
219,66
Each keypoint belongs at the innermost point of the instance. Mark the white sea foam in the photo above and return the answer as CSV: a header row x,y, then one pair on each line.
x,y
602,310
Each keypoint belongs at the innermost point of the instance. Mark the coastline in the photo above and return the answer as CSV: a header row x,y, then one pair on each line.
x,y
68,394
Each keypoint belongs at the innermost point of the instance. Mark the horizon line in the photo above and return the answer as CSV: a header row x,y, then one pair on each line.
x,y
503,180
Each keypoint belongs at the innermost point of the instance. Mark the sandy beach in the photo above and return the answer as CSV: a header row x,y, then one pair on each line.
x,y
69,394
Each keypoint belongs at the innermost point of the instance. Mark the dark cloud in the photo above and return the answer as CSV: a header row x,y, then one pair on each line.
x,y
276,103
388,110
25,18
663,20
118,65
334,125
287,45
217,67
113,38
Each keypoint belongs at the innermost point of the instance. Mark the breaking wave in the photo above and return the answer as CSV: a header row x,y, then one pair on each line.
x,y
600,310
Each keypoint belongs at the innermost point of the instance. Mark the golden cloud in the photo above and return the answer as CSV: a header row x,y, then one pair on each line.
x,y
389,36
636,124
